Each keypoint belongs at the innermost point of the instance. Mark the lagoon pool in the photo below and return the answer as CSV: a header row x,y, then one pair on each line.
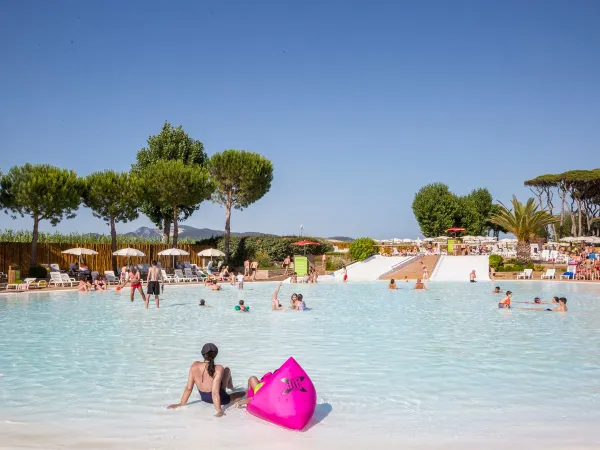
x,y
442,368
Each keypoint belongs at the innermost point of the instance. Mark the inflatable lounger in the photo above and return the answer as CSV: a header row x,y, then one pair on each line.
x,y
287,398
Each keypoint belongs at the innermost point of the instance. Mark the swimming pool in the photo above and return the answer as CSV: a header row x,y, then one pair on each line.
x,y
442,368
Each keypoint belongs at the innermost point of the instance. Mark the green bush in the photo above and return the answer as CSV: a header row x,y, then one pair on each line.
x,y
496,261
334,263
38,272
263,259
539,268
511,268
362,248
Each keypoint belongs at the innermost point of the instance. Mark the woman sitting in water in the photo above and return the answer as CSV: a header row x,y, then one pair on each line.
x,y
300,305
392,284
505,302
275,304
99,284
212,387
84,285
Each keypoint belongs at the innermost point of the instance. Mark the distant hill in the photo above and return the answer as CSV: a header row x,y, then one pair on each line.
x,y
185,231
341,238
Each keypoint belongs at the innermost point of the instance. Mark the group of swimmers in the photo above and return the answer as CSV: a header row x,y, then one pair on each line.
x,y
506,302
418,284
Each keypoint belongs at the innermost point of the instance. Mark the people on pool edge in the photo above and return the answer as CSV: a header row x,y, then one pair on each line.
x,y
211,380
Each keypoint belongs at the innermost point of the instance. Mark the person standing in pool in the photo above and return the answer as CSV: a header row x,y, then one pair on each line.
x,y
392,285
505,302
420,285
153,288
344,273
473,276
211,380
136,283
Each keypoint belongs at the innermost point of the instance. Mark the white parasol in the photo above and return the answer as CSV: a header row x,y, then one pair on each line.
x,y
79,252
129,252
173,252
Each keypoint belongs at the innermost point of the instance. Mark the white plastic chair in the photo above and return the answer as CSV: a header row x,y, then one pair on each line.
x,y
167,278
179,276
56,279
110,277
526,274
550,274
190,275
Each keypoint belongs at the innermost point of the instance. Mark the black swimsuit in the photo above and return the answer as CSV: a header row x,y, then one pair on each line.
x,y
207,396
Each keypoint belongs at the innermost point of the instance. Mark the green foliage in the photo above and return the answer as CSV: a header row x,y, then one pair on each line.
x,y
474,212
38,272
523,220
539,268
76,238
435,209
263,258
41,191
241,178
496,261
174,185
171,144
112,196
334,263
362,248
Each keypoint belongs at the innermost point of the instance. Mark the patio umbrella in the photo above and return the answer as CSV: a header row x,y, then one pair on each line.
x,y
80,251
173,252
129,252
210,252
568,239
455,230
304,244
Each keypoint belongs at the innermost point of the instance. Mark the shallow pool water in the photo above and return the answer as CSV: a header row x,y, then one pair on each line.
x,y
442,368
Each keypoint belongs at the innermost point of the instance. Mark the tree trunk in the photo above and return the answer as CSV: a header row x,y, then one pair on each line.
x,y
523,252
166,230
113,243
175,228
579,218
34,241
227,229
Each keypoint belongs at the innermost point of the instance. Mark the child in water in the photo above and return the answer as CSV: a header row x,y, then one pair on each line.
x,y
505,302
496,290
300,305
392,285
203,304
243,308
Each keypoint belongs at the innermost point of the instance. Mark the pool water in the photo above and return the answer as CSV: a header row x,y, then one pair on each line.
x,y
442,368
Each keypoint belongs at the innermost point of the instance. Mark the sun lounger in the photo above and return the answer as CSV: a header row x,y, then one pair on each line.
x,y
66,280
167,278
55,279
190,275
110,277
35,284
550,274
54,268
179,276
526,274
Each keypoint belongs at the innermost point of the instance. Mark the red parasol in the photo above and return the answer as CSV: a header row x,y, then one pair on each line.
x,y
304,244
455,230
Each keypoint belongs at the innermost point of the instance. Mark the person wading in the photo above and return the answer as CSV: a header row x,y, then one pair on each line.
x,y
154,276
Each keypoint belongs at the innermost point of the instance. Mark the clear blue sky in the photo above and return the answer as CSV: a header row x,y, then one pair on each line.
x,y
358,104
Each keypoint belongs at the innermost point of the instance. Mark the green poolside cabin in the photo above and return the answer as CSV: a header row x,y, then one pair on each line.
x,y
302,263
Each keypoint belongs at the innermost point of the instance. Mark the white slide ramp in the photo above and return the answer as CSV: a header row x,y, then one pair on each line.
x,y
458,268
371,268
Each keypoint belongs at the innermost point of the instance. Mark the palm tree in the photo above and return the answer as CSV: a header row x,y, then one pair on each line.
x,y
523,220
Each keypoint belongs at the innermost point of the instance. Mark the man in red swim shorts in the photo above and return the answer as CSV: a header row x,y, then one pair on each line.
x,y
136,283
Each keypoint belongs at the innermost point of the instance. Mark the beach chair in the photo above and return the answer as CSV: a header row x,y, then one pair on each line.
x,y
54,268
550,274
545,256
188,274
219,266
110,277
179,276
35,284
67,280
56,279
167,278
94,275
526,274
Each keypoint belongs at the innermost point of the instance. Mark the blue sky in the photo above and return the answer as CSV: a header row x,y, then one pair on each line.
x,y
358,104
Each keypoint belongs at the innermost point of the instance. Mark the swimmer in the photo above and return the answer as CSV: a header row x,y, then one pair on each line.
x,y
275,304
562,307
473,276
293,300
212,388
215,286
505,302
392,284
420,285
203,304
496,290
300,305
406,278
242,307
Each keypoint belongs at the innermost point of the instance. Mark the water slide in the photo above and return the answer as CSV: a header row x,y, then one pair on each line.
x,y
458,268
370,269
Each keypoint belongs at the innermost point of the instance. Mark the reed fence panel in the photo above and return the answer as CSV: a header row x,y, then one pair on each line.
x,y
19,254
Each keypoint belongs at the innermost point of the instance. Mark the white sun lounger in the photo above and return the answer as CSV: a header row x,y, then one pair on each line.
x,y
526,274
190,275
179,276
167,278
110,277
550,273
68,280
55,279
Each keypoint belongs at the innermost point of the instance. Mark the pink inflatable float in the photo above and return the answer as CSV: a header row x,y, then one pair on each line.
x,y
287,397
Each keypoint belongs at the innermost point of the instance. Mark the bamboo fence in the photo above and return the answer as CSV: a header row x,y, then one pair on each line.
x,y
19,254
